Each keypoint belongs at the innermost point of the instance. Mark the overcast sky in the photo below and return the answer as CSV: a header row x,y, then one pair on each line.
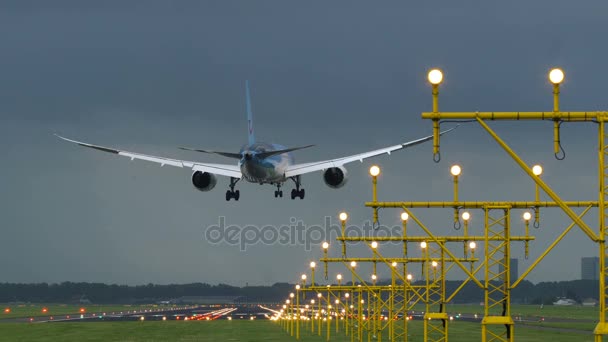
x,y
348,76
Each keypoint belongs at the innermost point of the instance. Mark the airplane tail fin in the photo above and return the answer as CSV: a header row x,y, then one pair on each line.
x,y
249,116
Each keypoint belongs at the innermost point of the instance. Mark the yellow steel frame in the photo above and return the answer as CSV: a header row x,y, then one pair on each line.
x,y
557,117
497,271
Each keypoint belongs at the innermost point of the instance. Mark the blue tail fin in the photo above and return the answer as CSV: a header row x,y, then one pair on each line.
x,y
249,116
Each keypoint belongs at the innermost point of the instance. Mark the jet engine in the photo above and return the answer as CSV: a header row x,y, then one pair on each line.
x,y
203,181
335,177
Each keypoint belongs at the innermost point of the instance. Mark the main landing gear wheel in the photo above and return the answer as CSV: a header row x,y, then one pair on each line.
x,y
233,194
230,194
297,193
278,193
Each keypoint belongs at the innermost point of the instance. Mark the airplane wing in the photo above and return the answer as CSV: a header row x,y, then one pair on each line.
x,y
300,169
217,169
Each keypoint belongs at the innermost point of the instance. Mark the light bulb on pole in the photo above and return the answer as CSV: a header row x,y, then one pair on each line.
x,y
312,271
435,77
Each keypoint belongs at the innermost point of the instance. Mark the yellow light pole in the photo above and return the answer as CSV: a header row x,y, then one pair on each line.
x,y
556,76
337,303
284,311
312,273
319,296
339,278
328,299
348,312
455,170
537,170
291,296
343,217
306,310
404,217
312,316
374,171
391,307
472,246
353,264
527,216
424,255
465,218
325,247
289,316
435,76
299,312
374,245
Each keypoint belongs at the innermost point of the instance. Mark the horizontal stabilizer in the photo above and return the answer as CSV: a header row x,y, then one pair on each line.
x,y
263,155
225,154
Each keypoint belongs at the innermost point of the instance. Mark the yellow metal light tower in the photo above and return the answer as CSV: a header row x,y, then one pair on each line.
x,y
556,77
312,273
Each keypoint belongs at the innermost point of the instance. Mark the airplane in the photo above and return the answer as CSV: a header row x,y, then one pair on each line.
x,y
259,162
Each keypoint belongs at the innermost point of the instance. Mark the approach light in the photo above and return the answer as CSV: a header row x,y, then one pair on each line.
x,y
472,245
434,263
409,277
423,245
374,277
405,216
343,216
374,244
312,264
466,216
325,245
556,76
435,76
527,216
319,295
353,263
394,264
374,171
455,170
537,170
303,276
339,277
298,287
291,295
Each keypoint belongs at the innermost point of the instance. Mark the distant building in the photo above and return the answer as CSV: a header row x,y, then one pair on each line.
x,y
590,268
514,269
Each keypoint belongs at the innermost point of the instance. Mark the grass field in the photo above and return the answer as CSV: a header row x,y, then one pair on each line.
x,y
258,330
547,311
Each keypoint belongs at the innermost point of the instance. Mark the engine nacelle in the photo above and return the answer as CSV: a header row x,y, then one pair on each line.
x,y
203,181
335,177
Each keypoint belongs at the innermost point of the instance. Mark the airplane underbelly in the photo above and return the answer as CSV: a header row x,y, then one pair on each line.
x,y
260,173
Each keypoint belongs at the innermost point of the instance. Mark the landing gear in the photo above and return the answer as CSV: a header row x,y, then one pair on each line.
x,y
230,194
278,192
297,192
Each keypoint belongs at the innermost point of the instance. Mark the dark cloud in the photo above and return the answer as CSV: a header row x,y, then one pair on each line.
x,y
347,76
